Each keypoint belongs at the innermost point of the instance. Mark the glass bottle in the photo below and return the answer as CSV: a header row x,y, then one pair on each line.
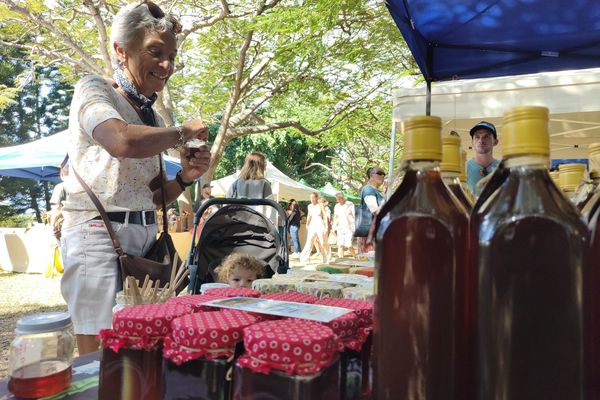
x,y
451,169
528,246
421,326
570,177
463,176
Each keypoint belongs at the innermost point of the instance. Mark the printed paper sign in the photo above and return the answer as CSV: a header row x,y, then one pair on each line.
x,y
290,309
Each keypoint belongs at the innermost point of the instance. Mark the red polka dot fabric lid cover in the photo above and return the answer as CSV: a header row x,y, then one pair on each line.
x,y
295,297
362,309
142,326
348,331
194,302
233,292
207,335
297,347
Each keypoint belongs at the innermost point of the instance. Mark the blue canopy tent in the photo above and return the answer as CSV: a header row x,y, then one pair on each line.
x,y
460,39
41,159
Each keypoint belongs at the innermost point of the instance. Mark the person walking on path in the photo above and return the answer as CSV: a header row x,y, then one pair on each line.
x,y
343,224
315,227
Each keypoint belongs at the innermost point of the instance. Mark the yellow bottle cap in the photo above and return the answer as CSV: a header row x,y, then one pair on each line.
x,y
594,149
423,139
450,154
594,157
525,132
571,176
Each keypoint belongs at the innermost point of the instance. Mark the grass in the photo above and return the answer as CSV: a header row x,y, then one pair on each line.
x,y
21,295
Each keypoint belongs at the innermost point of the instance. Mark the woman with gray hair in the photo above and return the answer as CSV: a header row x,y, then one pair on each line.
x,y
115,139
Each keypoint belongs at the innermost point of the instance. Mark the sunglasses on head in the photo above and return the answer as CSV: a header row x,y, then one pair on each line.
x,y
380,173
158,13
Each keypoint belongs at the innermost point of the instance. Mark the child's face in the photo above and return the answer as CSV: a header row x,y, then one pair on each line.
x,y
241,277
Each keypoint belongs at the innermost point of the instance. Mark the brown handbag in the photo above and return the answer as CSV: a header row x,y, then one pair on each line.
x,y
158,262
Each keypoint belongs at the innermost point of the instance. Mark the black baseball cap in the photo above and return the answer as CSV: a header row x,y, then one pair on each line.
x,y
484,125
206,185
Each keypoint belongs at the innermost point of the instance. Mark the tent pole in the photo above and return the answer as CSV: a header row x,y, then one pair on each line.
x,y
428,99
391,162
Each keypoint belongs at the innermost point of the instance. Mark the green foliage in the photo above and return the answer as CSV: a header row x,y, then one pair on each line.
x,y
17,221
324,66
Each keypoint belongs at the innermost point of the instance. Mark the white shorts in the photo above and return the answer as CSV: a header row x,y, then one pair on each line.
x,y
344,237
91,277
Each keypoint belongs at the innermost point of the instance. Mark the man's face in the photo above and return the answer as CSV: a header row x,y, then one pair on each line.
x,y
483,141
207,191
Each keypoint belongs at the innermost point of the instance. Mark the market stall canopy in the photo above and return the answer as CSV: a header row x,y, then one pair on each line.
x,y
331,191
284,188
571,96
41,159
458,39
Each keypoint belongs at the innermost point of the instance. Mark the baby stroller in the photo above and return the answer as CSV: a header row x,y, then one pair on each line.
x,y
236,228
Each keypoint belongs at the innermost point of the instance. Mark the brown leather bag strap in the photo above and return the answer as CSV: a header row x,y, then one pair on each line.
x,y
102,211
163,195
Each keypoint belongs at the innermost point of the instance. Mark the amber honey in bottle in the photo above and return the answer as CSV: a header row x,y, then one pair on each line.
x,y
451,169
421,324
528,246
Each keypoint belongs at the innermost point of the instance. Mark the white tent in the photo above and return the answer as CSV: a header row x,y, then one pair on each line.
x,y
571,96
284,188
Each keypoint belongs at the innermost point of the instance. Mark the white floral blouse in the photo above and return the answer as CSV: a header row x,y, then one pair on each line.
x,y
121,184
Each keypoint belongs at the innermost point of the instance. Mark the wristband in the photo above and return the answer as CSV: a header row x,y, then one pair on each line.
x,y
181,142
182,184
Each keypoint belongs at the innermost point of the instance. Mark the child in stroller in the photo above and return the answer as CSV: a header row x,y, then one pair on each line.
x,y
236,228
240,270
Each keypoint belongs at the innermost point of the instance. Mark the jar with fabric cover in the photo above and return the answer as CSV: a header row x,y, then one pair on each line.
x,y
199,354
288,360
131,352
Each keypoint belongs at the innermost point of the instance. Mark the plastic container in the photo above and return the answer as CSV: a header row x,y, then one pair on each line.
x,y
421,245
212,285
288,360
528,251
131,362
199,352
41,355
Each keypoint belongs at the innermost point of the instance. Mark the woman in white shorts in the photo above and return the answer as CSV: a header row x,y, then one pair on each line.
x,y
343,224
114,142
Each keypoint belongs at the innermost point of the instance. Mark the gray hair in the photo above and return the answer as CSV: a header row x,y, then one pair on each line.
x,y
136,18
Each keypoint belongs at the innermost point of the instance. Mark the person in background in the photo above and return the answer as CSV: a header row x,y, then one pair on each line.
x,y
59,195
328,221
373,198
343,224
251,184
316,221
115,139
294,215
240,270
484,138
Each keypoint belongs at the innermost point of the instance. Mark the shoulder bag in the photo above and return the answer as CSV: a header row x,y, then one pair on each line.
x,y
160,259
362,219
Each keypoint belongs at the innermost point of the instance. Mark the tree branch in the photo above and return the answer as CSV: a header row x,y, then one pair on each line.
x,y
108,70
225,12
41,21
53,54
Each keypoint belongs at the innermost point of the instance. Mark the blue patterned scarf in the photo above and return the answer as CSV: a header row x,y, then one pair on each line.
x,y
142,101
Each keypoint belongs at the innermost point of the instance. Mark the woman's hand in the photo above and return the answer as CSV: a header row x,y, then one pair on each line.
x,y
195,129
194,166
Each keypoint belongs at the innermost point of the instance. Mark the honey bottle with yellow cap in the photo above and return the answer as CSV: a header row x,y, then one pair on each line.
x,y
421,245
451,169
528,247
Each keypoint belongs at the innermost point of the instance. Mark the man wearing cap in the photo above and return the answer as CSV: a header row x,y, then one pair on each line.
x,y
484,138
